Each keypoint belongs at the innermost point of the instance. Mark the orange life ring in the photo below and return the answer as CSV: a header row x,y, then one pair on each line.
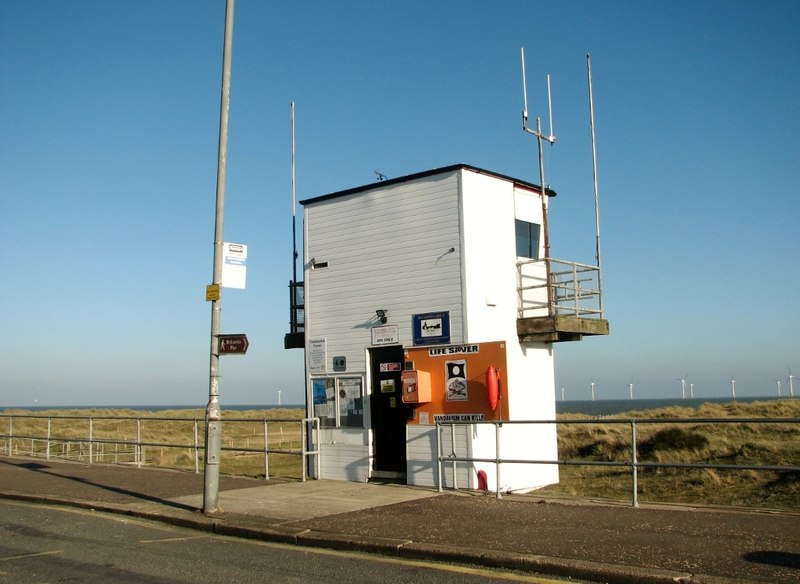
x,y
492,387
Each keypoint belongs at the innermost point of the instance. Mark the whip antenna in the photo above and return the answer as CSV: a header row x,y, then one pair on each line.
x,y
524,90
598,256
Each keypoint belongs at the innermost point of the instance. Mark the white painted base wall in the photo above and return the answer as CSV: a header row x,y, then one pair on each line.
x,y
344,455
421,466
524,442
528,442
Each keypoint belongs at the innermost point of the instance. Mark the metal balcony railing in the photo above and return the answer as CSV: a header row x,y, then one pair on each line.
x,y
552,287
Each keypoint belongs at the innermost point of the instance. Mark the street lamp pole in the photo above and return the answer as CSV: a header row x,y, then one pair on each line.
x,y
213,413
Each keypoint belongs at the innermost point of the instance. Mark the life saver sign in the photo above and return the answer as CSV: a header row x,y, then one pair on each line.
x,y
492,387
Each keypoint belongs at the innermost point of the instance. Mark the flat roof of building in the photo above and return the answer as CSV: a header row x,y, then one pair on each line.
x,y
383,183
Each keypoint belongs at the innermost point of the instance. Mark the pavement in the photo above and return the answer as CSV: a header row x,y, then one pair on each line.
x,y
596,541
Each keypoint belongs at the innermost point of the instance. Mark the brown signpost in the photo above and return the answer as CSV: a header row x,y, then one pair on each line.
x,y
233,344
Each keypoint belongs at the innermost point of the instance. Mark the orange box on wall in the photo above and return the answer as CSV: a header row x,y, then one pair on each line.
x,y
416,387
458,383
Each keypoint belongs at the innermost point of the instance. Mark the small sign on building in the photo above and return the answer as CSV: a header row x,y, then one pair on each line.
x,y
386,335
340,363
432,328
317,356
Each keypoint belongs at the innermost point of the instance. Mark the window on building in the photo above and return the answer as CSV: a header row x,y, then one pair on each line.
x,y
351,402
324,390
339,401
527,239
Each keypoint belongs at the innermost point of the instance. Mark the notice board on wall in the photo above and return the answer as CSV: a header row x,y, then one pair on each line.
x,y
458,381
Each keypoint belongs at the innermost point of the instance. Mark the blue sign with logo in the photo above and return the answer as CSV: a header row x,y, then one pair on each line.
x,y
432,328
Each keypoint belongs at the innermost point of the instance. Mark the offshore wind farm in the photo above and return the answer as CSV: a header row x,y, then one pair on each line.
x,y
595,398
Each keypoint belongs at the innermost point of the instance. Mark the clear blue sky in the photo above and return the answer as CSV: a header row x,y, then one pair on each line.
x,y
109,114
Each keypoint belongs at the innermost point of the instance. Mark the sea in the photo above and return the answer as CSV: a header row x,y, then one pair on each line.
x,y
601,407
609,407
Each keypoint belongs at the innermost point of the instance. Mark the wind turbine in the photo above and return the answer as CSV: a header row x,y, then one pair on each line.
x,y
562,394
592,387
791,383
691,390
630,389
683,386
779,387
733,388
279,397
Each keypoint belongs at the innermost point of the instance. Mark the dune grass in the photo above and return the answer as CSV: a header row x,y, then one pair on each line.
x,y
745,444
168,436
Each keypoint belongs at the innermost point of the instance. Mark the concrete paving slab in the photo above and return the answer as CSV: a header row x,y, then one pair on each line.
x,y
310,499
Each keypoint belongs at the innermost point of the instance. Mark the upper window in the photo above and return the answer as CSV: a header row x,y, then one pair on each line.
x,y
527,239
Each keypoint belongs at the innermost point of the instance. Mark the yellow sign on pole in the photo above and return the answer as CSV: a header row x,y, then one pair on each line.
x,y
212,292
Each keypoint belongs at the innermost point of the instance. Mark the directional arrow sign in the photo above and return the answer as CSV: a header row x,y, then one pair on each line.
x,y
233,344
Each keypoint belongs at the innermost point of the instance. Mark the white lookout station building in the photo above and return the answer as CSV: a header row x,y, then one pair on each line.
x,y
428,312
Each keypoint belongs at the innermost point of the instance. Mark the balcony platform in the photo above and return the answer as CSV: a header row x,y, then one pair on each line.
x,y
294,340
559,328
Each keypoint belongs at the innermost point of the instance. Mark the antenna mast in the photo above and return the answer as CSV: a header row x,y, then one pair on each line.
x,y
540,138
596,196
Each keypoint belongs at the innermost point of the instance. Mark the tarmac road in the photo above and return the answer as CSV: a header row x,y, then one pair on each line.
x,y
45,543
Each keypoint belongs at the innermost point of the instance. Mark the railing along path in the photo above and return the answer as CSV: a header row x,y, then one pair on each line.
x,y
89,444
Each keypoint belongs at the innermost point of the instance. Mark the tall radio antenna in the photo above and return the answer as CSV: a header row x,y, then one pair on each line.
x,y
538,131
540,138
596,196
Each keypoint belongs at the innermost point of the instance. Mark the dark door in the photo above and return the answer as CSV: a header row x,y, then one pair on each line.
x,y
387,411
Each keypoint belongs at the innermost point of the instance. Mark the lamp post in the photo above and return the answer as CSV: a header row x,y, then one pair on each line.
x,y
213,413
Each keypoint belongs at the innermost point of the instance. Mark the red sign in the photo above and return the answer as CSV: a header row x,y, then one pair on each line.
x,y
233,344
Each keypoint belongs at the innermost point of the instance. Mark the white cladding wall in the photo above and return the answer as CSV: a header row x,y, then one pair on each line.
x,y
490,286
383,247
386,249
490,207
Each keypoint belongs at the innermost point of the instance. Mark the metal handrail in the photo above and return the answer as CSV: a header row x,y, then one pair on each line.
x,y
309,427
634,464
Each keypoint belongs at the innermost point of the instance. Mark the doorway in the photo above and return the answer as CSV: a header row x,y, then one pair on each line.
x,y
387,412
